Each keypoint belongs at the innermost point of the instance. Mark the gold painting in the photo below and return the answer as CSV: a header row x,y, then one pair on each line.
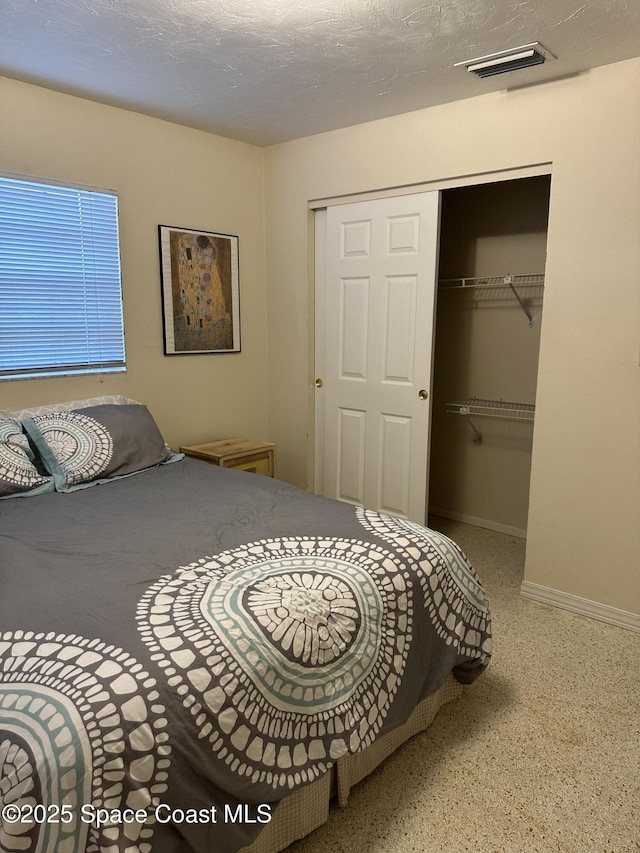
x,y
200,291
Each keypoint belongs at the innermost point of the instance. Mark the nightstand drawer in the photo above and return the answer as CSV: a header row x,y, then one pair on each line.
x,y
258,463
242,453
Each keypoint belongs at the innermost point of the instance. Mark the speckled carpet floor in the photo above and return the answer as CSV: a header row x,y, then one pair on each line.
x,y
541,754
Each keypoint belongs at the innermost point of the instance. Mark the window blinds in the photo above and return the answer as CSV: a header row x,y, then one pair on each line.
x,y
60,287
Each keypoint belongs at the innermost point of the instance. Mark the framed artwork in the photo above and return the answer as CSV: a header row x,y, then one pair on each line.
x,y
200,291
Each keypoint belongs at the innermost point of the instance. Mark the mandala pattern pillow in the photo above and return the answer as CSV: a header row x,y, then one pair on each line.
x,y
87,446
18,474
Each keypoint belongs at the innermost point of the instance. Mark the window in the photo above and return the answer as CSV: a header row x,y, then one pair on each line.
x,y
60,289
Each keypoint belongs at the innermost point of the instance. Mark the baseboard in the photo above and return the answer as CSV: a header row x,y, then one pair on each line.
x,y
582,606
479,522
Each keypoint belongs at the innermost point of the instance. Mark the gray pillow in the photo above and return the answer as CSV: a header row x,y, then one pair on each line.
x,y
18,475
86,446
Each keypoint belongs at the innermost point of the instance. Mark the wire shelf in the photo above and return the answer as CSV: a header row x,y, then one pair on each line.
x,y
493,409
509,280
512,281
502,409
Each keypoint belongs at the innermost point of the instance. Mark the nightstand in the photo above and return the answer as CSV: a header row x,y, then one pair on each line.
x,y
242,453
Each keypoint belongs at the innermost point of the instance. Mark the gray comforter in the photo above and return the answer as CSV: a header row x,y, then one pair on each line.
x,y
181,649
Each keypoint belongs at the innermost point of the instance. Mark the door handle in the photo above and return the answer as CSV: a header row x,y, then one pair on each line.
x,y
423,394
319,383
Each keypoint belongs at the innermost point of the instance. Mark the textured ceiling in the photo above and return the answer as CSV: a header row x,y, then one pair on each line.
x,y
266,71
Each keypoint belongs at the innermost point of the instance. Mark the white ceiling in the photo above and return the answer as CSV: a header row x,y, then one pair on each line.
x,y
267,71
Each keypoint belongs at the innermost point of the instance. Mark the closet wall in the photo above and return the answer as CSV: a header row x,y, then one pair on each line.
x,y
485,348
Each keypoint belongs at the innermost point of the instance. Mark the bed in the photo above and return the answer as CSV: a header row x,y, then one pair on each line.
x,y
194,658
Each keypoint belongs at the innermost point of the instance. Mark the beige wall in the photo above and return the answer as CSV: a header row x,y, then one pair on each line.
x,y
163,174
584,530
584,521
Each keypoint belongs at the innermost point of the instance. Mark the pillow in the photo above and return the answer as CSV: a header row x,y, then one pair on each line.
x,y
48,408
18,475
97,443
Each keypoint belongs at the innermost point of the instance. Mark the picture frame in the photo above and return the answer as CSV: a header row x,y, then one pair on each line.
x,y
199,273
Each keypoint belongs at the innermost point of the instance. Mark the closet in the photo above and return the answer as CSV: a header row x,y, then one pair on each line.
x,y
492,255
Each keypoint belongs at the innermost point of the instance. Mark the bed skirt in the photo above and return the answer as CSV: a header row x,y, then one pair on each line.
x,y
308,808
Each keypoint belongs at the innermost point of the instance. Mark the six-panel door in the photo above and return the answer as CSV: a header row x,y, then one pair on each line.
x,y
377,332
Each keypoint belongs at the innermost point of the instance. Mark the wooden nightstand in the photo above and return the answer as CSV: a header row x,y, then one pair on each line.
x,y
255,456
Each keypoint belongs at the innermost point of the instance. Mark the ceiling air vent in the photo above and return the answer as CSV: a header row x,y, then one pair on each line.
x,y
507,60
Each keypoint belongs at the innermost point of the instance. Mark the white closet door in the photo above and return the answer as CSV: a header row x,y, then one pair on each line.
x,y
375,332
